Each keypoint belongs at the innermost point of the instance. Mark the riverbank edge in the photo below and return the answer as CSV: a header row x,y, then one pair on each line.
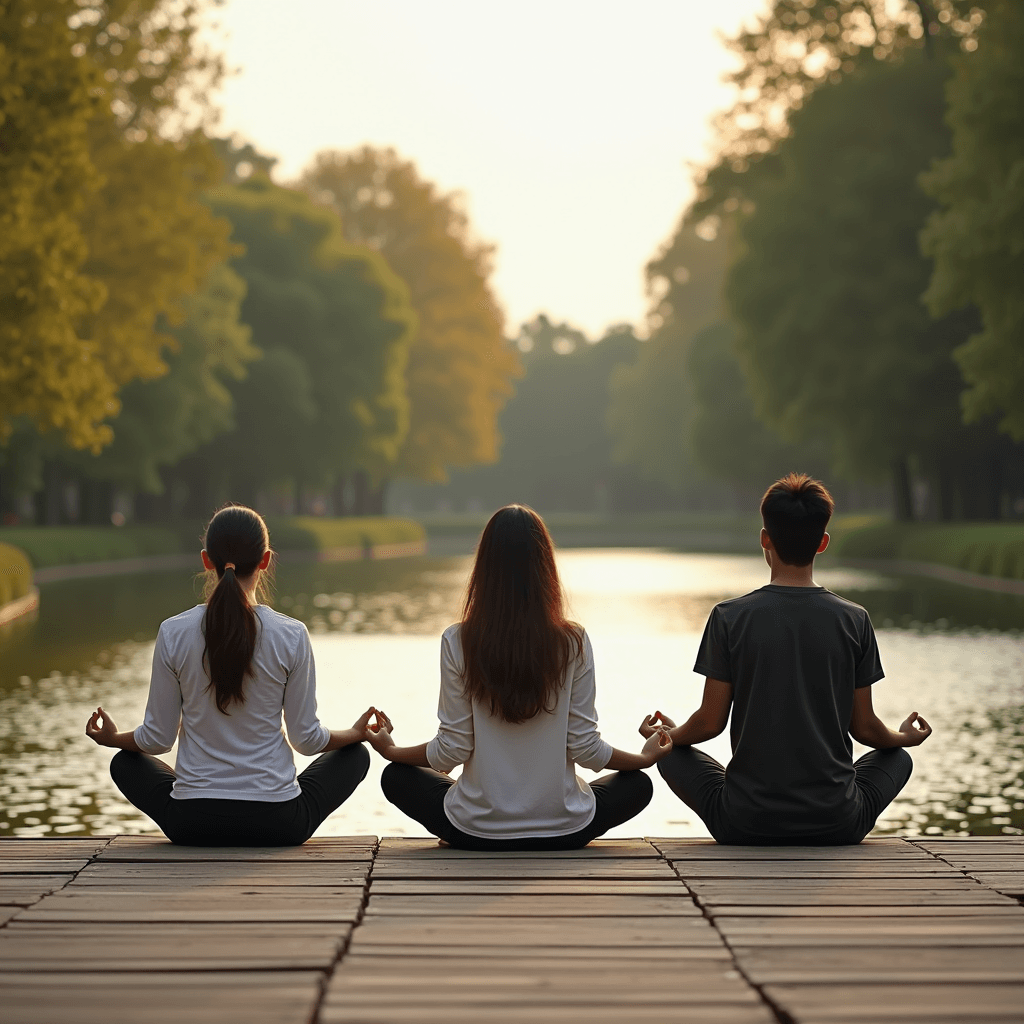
x,y
297,538
985,556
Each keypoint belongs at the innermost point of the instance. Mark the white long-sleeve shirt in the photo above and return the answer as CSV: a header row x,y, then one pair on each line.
x,y
519,780
242,755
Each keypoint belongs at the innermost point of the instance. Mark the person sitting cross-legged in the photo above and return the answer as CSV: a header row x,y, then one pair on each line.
x,y
795,663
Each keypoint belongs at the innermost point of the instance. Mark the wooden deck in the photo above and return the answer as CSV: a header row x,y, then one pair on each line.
x,y
126,930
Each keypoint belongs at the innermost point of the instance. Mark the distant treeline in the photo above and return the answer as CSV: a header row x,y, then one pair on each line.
x,y
844,296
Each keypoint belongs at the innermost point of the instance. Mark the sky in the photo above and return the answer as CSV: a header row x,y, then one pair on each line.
x,y
569,128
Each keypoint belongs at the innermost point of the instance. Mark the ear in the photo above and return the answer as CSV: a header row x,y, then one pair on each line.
x,y
823,544
265,560
207,564
766,541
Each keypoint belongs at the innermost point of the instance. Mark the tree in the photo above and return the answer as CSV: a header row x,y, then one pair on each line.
x,y
651,400
334,325
460,367
834,339
104,228
977,237
726,440
792,50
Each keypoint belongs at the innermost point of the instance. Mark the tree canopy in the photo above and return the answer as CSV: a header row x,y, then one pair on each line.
x,y
460,366
103,226
334,325
977,236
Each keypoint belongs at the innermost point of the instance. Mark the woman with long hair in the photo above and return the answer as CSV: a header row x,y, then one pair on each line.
x,y
517,710
224,674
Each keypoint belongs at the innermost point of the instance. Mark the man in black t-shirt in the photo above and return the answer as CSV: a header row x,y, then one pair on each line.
x,y
796,664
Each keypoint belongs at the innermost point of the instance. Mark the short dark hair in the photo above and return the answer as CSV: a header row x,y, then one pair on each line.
x,y
795,511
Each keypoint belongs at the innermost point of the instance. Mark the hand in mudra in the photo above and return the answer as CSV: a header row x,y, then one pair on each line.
x,y
378,732
101,728
655,723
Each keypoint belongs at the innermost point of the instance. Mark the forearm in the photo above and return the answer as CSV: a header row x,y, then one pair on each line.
x,y
124,741
879,736
624,761
696,729
342,738
407,755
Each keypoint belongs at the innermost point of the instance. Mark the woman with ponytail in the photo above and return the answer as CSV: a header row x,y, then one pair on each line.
x,y
224,675
517,710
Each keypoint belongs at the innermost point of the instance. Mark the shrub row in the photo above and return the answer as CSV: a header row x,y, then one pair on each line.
x,y
989,549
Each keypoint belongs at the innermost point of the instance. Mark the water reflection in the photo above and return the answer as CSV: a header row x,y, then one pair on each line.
x,y
955,655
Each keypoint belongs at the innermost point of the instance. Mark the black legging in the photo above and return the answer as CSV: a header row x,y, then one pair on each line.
x,y
419,793
699,781
200,821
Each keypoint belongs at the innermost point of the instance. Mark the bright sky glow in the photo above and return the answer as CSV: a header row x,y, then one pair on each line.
x,y
567,126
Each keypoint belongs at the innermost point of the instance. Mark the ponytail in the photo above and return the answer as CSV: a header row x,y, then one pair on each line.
x,y
235,542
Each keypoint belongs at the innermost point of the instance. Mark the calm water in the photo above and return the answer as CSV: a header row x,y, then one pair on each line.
x,y
954,655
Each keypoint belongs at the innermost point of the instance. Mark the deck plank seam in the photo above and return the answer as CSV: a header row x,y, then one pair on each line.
x,y
781,1016
966,872
346,942
74,874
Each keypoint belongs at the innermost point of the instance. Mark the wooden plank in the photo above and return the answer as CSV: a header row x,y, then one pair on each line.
x,y
528,906
845,931
153,891
639,889
607,956
261,880
577,868
708,849
771,869
23,890
870,1003
166,998
300,872
445,931
918,966
42,865
212,908
883,899
672,1012
953,882
133,848
6,913
1005,909
169,947
34,849
429,848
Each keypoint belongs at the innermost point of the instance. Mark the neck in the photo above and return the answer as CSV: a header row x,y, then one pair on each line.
x,y
784,575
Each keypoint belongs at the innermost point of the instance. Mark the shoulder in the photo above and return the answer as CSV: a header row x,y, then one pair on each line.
x,y
846,608
277,624
183,624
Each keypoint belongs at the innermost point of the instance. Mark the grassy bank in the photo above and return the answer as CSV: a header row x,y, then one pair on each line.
x,y
15,574
48,546
989,549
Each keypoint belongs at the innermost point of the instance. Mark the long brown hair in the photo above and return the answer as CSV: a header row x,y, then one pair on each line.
x,y
516,641
235,535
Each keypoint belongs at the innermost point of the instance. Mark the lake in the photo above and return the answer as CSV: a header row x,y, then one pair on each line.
x,y
954,655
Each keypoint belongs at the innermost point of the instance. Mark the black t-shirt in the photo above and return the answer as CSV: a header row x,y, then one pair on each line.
x,y
794,656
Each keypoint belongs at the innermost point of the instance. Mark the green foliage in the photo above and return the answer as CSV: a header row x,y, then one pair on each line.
x,y
164,420
793,49
316,533
977,237
334,325
833,337
726,439
460,368
989,549
101,224
74,545
15,574
651,404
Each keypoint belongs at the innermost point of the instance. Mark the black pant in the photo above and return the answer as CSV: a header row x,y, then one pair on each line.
x,y
419,792
699,781
199,821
